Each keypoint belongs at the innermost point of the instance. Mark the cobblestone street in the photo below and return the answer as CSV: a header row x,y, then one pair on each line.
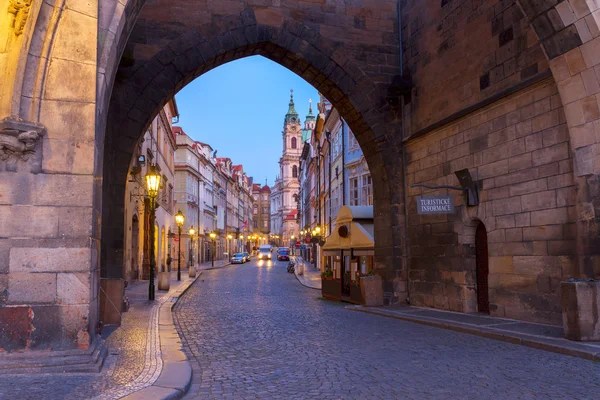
x,y
254,332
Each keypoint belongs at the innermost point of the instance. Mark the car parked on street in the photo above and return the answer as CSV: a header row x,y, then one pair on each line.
x,y
238,258
283,254
246,256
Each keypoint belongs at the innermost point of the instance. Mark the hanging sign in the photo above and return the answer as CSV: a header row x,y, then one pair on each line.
x,y
441,204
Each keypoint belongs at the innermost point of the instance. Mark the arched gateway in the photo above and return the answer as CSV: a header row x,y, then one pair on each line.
x,y
516,106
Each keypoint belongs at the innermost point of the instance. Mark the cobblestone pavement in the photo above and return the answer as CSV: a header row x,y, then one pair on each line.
x,y
255,332
133,362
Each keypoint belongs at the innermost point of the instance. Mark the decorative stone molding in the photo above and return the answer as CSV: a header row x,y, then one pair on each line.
x,y
19,141
20,9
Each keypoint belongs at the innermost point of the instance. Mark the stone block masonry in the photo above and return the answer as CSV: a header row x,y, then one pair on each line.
x,y
526,205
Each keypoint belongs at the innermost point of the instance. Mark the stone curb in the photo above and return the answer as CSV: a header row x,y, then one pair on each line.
x,y
176,376
301,280
548,344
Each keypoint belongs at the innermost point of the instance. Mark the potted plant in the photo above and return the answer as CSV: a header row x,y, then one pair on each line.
x,y
330,288
327,274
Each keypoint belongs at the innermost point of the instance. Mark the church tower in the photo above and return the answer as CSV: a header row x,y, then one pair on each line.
x,y
288,171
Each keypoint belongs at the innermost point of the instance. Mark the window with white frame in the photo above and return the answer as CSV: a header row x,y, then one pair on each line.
x,y
367,190
352,140
354,198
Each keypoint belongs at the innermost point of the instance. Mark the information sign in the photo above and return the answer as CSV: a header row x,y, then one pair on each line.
x,y
440,204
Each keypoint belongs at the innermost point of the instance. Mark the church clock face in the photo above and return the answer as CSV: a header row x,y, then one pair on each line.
x,y
293,128
293,119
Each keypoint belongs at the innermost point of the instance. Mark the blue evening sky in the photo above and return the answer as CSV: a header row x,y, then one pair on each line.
x,y
239,108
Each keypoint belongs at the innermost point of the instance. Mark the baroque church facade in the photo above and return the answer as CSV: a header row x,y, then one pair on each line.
x,y
284,204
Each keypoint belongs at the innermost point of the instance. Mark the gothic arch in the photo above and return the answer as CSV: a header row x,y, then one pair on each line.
x,y
140,90
570,36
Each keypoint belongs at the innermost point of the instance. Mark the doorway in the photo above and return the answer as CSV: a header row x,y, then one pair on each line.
x,y
482,269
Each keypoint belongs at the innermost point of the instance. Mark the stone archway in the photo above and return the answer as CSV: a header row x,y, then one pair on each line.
x,y
62,85
569,32
143,84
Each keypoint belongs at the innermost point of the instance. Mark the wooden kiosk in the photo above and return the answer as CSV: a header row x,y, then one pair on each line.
x,y
348,254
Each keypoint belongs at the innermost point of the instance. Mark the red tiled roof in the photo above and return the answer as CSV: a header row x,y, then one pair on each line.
x,y
265,189
177,130
291,215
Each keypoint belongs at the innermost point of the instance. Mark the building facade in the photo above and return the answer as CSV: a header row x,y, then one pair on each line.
x,y
214,196
157,148
285,192
333,173
262,209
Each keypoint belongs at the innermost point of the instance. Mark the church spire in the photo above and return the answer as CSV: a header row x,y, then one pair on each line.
x,y
292,115
310,116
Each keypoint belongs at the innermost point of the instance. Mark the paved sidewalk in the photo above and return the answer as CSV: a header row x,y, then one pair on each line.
x,y
310,277
144,368
539,336
144,354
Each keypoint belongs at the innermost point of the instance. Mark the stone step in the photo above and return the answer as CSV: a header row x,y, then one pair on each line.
x,y
70,361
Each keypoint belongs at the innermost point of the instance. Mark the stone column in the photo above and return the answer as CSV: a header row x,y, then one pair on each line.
x,y
48,250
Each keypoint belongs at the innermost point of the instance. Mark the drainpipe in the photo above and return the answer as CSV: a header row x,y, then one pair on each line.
x,y
403,150
343,161
327,136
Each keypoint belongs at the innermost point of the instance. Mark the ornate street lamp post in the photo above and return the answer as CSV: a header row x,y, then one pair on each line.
x,y
179,220
153,186
192,232
293,244
229,237
213,237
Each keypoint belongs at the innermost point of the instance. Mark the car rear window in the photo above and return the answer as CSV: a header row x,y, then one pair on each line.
x,y
284,252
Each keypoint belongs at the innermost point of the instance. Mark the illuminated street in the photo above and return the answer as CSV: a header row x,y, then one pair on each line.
x,y
255,332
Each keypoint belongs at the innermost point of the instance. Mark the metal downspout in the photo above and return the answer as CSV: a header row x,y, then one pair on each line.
x,y
343,162
327,136
403,144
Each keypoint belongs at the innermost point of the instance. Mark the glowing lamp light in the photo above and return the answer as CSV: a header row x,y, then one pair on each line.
x,y
152,181
229,237
318,229
213,235
192,231
179,218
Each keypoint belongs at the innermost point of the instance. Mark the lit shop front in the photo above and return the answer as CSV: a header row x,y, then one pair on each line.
x,y
348,254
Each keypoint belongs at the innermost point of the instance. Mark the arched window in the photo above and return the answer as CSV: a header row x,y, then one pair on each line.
x,y
294,171
294,144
